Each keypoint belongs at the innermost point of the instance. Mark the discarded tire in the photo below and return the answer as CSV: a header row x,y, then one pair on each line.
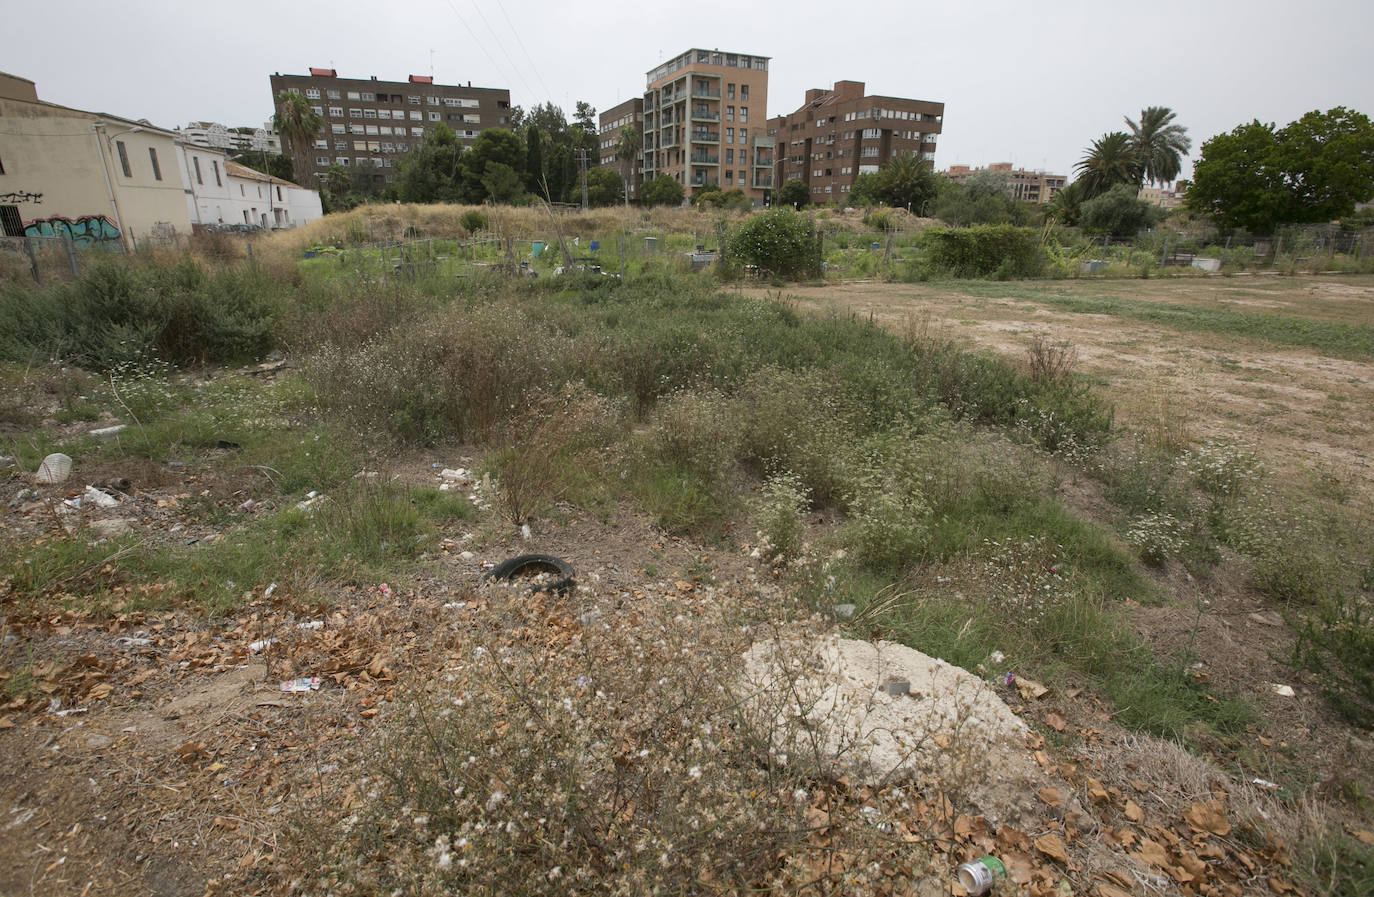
x,y
535,563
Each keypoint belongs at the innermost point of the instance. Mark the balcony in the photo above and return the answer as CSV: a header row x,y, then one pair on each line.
x,y
704,182
669,142
763,182
705,115
705,159
709,93
706,137
763,162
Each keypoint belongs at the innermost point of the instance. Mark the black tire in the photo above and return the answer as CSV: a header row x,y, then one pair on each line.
x,y
535,563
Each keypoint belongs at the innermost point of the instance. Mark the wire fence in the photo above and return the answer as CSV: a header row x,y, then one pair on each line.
x,y
49,259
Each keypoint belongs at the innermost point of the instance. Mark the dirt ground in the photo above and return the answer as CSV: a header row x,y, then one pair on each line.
x,y
1302,409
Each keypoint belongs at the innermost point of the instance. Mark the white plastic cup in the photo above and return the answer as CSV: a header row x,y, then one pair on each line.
x,y
979,876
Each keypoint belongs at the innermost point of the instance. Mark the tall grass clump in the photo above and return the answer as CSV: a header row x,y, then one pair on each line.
x,y
119,312
1001,251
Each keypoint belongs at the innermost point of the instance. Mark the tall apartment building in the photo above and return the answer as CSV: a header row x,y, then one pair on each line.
x,y
704,122
367,122
240,140
1027,186
614,121
840,134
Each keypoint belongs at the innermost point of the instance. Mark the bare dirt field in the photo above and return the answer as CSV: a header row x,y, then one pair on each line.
x,y
1304,408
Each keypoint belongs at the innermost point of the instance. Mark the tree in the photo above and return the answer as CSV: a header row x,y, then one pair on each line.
x,y
585,117
276,164
298,124
1067,205
547,118
663,191
534,160
431,172
907,182
492,145
604,187
1118,212
1158,144
780,241
792,194
627,151
1314,169
502,183
1109,162
865,190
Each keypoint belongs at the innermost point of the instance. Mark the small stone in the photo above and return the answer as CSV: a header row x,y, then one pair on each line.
x,y
98,742
845,611
467,556
112,527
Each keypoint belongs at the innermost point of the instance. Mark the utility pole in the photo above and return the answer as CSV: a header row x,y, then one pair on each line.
x,y
582,157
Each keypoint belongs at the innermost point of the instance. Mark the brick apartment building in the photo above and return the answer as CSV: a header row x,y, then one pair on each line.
x,y
613,121
704,122
369,122
841,133
1027,186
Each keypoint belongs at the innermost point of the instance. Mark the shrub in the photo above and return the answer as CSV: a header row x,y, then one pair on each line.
x,y
1155,536
884,220
982,251
779,241
1336,642
889,513
1118,212
795,421
473,221
780,516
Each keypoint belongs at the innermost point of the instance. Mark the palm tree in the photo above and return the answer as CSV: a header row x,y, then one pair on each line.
x,y
1111,161
297,124
1158,144
628,150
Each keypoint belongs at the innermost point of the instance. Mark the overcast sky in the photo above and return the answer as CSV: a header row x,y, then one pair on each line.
x,y
1029,83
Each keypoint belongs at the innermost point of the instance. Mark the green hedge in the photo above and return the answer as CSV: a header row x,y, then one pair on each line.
x,y
992,250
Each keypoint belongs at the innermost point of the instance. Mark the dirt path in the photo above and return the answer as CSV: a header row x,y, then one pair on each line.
x,y
1305,410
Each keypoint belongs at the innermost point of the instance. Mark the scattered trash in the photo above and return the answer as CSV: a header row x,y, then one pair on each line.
x,y
22,496
267,592
874,817
979,876
257,646
897,687
525,531
102,432
310,498
132,641
1029,689
100,499
454,473
1283,691
248,505
455,605
385,590
313,624
119,484
54,469
998,657
536,563
112,527
845,611
1264,783
305,683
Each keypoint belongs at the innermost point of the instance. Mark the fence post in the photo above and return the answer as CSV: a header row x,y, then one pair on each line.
x,y
33,260
622,255
71,255
1164,255
1278,247
249,244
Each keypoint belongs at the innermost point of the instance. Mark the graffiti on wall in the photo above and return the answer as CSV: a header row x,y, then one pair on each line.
x,y
22,196
88,230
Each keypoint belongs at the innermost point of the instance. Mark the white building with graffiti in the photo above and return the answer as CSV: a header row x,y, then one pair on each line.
x,y
90,176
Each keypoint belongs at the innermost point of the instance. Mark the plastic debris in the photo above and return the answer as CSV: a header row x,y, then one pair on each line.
x,y
102,432
454,473
312,624
94,496
260,644
310,498
1283,691
305,683
385,590
132,641
1264,783
998,657
54,469
845,611
525,531
267,592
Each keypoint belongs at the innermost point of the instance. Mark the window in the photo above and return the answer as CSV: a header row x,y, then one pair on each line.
x,y
417,116
215,164
312,93
869,151
740,179
369,113
414,101
729,135
318,110
321,144
872,133
356,129
729,113
369,97
2,169
729,91
384,114
417,132
322,161
385,130
360,146
355,113
744,113
451,101
338,129
340,145
336,112
729,176
341,160
435,116
743,133
729,157
744,92
123,158
372,130
433,101
354,95
469,118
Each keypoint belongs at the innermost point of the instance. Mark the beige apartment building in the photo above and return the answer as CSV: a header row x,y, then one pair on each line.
x,y
91,177
369,123
613,122
1028,186
705,116
841,133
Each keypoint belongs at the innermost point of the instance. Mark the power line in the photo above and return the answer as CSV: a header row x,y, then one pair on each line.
x,y
477,41
518,71
547,93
